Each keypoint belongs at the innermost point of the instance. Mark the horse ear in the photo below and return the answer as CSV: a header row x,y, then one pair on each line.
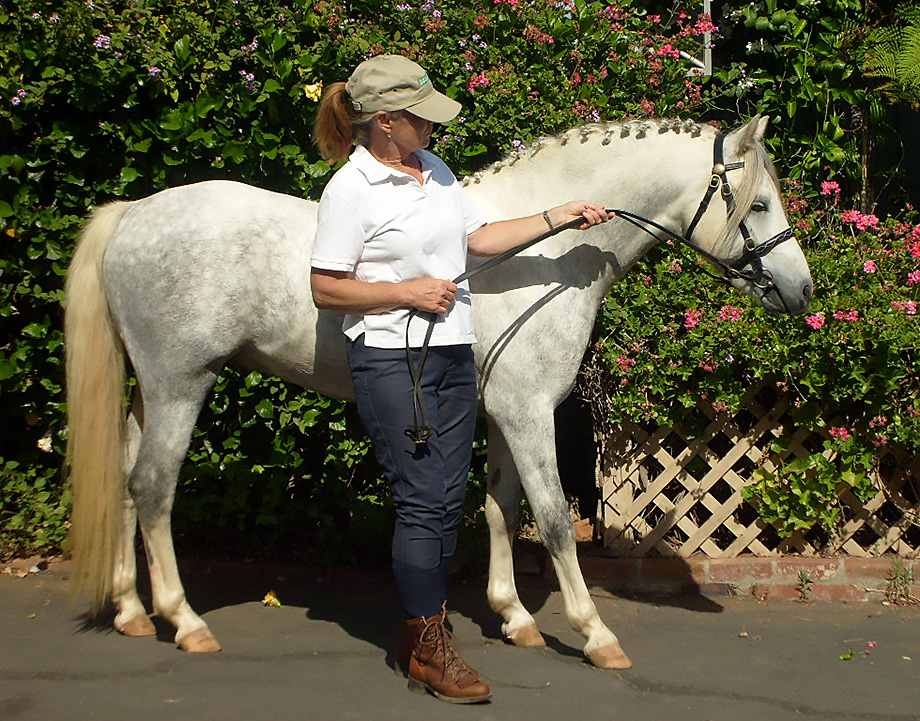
x,y
748,134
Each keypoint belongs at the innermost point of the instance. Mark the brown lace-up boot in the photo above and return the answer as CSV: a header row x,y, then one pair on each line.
x,y
411,630
435,666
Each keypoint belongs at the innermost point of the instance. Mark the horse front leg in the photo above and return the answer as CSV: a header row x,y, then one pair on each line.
x,y
503,498
131,617
532,446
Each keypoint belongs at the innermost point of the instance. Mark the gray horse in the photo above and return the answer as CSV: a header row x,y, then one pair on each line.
x,y
192,278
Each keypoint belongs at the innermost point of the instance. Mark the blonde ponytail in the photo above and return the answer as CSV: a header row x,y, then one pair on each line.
x,y
337,125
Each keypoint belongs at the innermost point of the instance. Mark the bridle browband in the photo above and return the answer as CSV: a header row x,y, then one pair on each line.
x,y
737,270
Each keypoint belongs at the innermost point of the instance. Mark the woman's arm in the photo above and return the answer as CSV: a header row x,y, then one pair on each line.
x,y
494,238
339,291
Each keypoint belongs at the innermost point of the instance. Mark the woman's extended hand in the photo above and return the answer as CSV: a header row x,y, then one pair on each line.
x,y
592,213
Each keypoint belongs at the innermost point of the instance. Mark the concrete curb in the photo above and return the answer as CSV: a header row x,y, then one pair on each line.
x,y
835,579
786,578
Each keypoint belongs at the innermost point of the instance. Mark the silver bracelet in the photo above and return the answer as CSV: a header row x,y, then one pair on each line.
x,y
548,221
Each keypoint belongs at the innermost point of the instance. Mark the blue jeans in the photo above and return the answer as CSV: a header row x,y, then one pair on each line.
x,y
428,481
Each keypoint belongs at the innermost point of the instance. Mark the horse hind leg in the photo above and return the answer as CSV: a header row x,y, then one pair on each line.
x,y
131,617
169,417
502,510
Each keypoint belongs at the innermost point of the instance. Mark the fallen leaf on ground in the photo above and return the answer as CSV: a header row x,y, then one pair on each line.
x,y
271,600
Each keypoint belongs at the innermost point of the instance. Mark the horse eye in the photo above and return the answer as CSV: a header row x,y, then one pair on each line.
x,y
759,207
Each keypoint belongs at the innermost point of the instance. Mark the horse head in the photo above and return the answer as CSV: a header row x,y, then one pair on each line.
x,y
752,251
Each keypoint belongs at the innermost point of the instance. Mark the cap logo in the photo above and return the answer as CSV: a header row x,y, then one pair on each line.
x,y
422,80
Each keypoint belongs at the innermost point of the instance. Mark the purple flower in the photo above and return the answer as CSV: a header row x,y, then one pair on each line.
x,y
102,41
154,71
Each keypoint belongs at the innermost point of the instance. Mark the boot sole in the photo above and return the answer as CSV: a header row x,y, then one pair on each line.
x,y
420,688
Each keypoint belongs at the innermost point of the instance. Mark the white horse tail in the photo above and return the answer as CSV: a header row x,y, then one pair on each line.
x,y
95,412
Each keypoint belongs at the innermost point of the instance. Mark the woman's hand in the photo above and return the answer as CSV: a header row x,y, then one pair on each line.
x,y
339,291
430,294
592,213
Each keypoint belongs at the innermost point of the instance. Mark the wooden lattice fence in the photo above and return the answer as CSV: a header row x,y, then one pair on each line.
x,y
665,495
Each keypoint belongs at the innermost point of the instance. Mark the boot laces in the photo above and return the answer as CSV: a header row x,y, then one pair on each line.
x,y
443,642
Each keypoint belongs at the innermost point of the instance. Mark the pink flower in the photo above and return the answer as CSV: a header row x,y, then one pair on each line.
x,y
670,51
730,312
867,221
829,187
840,433
861,221
704,25
648,107
816,321
869,266
476,82
913,278
625,363
692,318
848,315
906,306
850,216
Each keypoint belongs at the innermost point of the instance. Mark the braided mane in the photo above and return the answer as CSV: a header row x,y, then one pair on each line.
x,y
605,132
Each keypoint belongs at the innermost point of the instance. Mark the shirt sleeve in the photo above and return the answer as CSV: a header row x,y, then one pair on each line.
x,y
339,238
471,215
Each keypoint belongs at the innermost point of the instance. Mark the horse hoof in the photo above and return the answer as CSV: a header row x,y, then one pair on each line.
x,y
527,637
610,656
200,640
138,626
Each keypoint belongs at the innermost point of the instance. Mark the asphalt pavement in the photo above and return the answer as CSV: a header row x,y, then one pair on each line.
x,y
324,654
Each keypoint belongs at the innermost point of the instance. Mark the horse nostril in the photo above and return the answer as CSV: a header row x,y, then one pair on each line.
x,y
807,291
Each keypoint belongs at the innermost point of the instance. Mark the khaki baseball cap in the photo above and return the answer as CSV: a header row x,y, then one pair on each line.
x,y
392,82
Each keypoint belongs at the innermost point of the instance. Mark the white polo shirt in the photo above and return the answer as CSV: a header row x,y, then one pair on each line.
x,y
384,227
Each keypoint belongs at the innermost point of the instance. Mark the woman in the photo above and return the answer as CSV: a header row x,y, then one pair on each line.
x,y
394,226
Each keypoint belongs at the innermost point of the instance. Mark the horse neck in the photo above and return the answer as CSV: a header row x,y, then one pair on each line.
x,y
659,175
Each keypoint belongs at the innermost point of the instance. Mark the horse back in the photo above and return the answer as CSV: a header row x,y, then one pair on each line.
x,y
219,272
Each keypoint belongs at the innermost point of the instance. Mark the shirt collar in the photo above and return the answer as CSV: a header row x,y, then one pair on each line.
x,y
377,172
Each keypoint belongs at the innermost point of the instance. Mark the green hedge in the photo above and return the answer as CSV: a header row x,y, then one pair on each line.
x,y
103,100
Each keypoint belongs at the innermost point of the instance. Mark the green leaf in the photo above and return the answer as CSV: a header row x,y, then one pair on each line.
x,y
171,121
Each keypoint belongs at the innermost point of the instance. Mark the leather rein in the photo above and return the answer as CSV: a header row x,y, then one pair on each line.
x,y
748,267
